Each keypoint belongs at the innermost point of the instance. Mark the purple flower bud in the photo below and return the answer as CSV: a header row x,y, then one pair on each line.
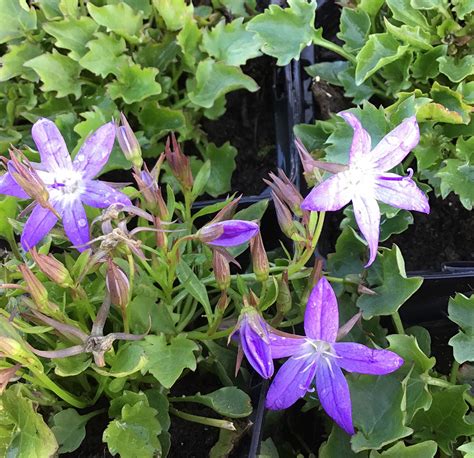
x,y
129,143
259,258
53,269
283,216
286,191
38,292
118,286
179,163
221,269
228,233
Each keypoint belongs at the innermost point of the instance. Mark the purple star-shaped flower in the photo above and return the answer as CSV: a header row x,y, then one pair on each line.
x,y
319,356
70,184
228,233
365,180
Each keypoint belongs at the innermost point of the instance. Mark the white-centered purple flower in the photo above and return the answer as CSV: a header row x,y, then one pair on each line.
x,y
228,233
70,184
318,357
366,179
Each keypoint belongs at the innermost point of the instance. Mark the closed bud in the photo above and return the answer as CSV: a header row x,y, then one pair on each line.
x,y
222,303
309,164
118,285
228,233
37,291
6,375
179,163
283,302
160,236
284,218
129,143
53,269
260,264
221,269
286,191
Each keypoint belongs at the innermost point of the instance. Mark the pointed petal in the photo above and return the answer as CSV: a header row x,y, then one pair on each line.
x,y
330,195
321,319
40,222
95,151
333,393
354,357
291,383
51,145
401,192
395,146
76,225
283,344
10,187
100,195
361,143
367,215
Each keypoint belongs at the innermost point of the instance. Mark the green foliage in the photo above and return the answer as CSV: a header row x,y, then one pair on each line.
x,y
461,311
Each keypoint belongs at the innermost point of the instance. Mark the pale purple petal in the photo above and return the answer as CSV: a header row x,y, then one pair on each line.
x,y
395,146
51,145
333,393
10,187
354,357
76,225
95,151
234,232
367,215
321,319
330,195
283,345
100,195
401,192
292,382
361,142
40,222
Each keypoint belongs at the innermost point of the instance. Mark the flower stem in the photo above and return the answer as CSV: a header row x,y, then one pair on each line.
x,y
224,424
453,375
320,41
203,336
397,321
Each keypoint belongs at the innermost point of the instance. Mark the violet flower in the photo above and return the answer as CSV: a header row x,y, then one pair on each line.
x,y
70,184
319,356
365,180
228,233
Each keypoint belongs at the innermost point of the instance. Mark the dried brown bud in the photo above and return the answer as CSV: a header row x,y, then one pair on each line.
x,y
118,285
6,375
283,216
221,269
286,191
52,268
179,163
38,292
260,263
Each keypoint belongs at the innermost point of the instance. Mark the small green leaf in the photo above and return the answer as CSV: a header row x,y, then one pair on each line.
x,y
175,13
426,64
134,84
463,7
350,254
457,176
231,43
57,73
11,63
167,361
338,445
156,120
451,100
71,366
425,449
129,359
8,209
15,21
70,429
215,79
201,179
456,69
403,12
222,159
127,397
328,71
354,26
188,40
412,35
285,32
461,311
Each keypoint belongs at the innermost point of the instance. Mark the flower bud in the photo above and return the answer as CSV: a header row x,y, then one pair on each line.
x,y
160,236
309,164
221,269
283,216
284,301
228,233
286,191
260,264
53,269
37,291
226,212
6,375
118,285
129,143
179,163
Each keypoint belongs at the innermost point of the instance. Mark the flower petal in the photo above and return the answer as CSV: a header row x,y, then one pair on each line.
x,y
354,357
283,344
367,215
10,187
333,393
401,192
95,151
40,222
330,195
395,146
100,195
291,383
51,145
361,142
321,319
234,232
76,225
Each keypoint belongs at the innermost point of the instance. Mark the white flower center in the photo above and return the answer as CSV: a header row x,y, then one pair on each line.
x,y
63,184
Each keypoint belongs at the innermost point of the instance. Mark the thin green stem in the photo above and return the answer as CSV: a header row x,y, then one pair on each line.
x,y
224,424
320,41
397,321
453,375
203,336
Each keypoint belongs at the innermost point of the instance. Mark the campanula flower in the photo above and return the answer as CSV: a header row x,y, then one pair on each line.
x,y
70,184
228,233
366,179
318,357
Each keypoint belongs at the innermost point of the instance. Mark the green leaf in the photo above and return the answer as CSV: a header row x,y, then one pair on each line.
x,y
426,64
156,120
129,359
395,225
338,445
201,179
71,366
403,12
457,176
72,34
429,4
215,79
11,63
231,43
127,397
228,401
451,100
371,7
119,18
188,40
70,429
456,69
354,26
461,311
15,21
57,73
222,160
175,13
105,55
425,449
468,449
8,209
284,33
328,71
412,35
463,7
350,254
167,361
378,411
134,84
394,287
134,435
379,50
445,421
